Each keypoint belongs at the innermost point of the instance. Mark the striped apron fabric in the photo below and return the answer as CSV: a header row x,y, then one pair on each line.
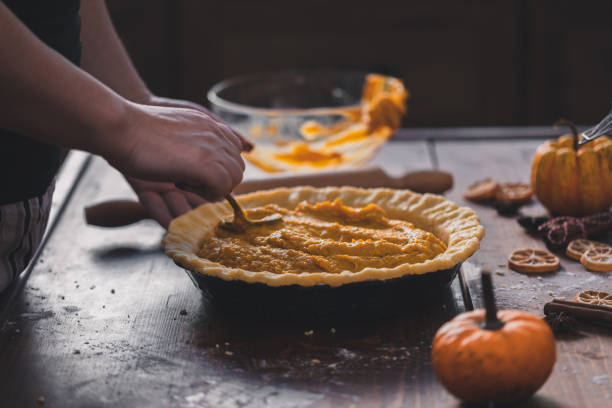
x,y
22,226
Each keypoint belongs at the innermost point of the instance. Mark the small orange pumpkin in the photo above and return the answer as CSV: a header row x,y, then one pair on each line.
x,y
572,180
485,356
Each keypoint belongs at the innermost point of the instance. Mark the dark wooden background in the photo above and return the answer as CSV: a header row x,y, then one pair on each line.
x,y
466,62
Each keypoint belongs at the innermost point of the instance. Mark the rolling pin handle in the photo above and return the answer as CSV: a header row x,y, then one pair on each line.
x,y
115,213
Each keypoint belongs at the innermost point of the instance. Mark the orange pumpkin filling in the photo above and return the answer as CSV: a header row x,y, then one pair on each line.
x,y
323,237
349,141
302,153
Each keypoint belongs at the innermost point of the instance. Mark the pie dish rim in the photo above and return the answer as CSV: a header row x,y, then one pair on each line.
x,y
459,227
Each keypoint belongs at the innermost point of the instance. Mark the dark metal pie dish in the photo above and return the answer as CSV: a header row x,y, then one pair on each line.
x,y
372,290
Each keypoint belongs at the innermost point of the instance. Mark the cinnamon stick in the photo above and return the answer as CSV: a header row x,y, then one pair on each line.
x,y
597,314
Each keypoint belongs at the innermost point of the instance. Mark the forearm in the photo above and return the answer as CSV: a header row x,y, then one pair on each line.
x,y
47,98
104,56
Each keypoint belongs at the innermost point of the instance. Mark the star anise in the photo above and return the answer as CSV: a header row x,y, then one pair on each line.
x,y
561,323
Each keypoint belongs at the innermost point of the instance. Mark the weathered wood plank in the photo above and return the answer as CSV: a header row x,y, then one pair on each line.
x,y
478,133
67,180
116,298
582,373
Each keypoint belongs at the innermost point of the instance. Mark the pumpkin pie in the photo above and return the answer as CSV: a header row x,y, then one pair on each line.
x,y
331,236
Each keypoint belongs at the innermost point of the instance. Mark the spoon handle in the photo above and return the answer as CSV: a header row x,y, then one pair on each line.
x,y
115,213
239,215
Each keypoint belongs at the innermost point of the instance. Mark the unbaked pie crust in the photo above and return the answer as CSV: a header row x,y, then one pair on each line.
x,y
458,227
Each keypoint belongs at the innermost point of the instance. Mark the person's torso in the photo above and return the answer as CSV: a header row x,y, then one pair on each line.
x,y
27,166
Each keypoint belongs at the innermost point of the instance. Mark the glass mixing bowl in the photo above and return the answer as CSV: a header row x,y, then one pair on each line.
x,y
271,107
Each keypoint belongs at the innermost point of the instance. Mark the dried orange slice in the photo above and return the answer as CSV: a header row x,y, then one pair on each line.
x,y
594,297
481,190
597,259
577,247
529,260
517,193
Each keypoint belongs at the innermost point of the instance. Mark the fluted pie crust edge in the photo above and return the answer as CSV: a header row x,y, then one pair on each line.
x,y
458,227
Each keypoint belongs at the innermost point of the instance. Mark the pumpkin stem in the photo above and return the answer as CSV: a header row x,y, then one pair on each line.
x,y
491,321
572,128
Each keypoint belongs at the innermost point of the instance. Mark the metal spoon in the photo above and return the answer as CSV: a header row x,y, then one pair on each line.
x,y
241,222
602,128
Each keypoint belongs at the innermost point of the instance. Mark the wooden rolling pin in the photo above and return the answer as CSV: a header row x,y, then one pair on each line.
x,y
124,212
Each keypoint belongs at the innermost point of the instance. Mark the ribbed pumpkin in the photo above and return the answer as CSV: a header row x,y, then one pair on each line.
x,y
572,180
489,356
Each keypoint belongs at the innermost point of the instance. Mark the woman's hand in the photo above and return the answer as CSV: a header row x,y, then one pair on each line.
x,y
178,145
164,201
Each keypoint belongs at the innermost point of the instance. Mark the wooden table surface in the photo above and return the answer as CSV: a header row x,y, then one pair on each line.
x,y
96,320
